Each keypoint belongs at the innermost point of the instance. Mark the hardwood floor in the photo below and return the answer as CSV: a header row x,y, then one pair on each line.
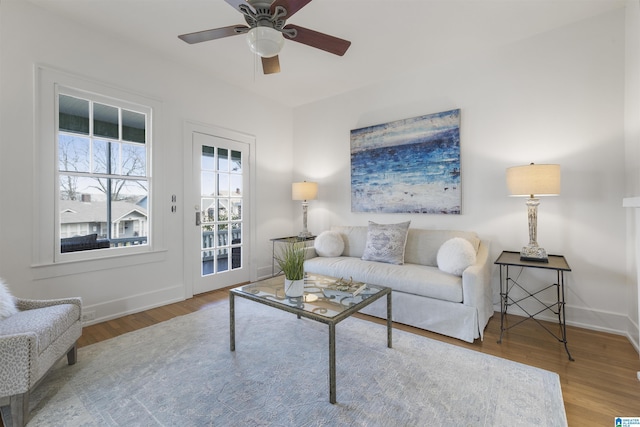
x,y
599,385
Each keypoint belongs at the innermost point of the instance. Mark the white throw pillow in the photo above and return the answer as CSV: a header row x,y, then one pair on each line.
x,y
386,242
329,243
7,302
455,255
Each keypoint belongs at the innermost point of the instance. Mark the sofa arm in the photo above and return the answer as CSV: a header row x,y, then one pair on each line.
x,y
310,252
476,281
14,370
30,304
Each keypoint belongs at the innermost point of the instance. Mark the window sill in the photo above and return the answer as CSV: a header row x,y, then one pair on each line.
x,y
71,267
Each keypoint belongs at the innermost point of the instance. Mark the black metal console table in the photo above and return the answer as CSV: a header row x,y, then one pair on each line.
x,y
556,263
307,241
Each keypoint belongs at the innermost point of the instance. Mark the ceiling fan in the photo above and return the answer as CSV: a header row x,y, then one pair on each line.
x,y
266,28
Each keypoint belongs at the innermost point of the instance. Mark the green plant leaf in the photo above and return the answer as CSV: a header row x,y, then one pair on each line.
x,y
290,259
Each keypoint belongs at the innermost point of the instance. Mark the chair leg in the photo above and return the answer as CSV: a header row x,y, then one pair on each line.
x,y
20,402
72,354
19,409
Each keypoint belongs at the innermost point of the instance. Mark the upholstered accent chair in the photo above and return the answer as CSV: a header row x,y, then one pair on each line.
x,y
31,342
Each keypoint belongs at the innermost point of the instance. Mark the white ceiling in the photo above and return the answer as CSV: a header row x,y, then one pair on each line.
x,y
388,37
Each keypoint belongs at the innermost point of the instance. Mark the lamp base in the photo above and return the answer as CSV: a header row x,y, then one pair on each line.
x,y
533,253
304,235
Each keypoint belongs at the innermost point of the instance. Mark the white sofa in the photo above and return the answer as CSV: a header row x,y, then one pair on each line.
x,y
423,295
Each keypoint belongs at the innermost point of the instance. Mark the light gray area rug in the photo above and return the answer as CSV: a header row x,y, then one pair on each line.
x,y
181,373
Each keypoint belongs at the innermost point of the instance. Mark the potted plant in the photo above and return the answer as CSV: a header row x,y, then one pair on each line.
x,y
290,260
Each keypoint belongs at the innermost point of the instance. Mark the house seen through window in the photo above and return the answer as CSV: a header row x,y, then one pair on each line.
x,y
103,173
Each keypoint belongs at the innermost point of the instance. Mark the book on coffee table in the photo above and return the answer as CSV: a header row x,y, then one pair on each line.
x,y
342,287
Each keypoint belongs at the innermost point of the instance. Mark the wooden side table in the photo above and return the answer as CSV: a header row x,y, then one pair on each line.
x,y
507,261
284,240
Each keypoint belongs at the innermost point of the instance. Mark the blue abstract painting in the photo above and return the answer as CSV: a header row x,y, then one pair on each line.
x,y
407,166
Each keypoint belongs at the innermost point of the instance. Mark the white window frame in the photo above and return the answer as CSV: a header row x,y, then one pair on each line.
x,y
46,247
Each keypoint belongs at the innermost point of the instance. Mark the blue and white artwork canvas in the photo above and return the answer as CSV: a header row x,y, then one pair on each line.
x,y
407,166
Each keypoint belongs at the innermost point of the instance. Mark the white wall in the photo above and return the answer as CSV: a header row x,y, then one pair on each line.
x,y
32,36
632,156
555,98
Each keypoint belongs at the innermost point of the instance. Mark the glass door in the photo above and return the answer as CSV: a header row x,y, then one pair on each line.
x,y
221,175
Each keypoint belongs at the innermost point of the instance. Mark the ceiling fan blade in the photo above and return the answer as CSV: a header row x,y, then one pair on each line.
x,y
292,6
271,65
206,35
320,40
236,3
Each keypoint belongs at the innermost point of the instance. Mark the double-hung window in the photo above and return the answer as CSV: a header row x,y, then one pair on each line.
x,y
93,181
103,179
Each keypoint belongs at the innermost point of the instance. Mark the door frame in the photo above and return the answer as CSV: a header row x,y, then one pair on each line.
x,y
190,265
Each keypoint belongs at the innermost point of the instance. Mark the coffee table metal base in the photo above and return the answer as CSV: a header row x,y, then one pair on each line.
x,y
331,322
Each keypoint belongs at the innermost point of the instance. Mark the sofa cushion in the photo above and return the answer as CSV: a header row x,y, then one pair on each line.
x,y
421,248
48,323
409,278
455,255
329,243
355,238
386,242
7,302
423,245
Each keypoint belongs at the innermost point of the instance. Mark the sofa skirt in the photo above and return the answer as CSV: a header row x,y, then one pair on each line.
x,y
443,317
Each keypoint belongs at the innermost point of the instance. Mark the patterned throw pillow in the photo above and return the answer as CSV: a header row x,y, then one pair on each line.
x,y
455,255
329,243
7,302
386,242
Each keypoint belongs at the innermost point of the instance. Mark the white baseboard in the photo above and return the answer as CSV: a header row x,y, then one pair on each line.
x,y
133,304
601,321
264,273
596,320
634,335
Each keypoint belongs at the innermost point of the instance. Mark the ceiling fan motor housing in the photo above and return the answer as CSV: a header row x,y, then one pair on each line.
x,y
265,29
261,16
265,37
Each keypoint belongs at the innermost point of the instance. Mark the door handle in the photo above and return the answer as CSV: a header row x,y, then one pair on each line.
x,y
198,218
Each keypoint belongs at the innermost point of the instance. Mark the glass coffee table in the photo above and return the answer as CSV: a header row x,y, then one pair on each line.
x,y
318,303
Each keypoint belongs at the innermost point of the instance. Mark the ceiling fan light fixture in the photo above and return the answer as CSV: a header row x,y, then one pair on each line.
x,y
265,41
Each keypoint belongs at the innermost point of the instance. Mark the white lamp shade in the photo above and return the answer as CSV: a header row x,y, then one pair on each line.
x,y
265,41
304,190
534,180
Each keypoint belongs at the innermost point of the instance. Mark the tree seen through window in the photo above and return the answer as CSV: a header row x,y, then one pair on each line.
x,y
102,173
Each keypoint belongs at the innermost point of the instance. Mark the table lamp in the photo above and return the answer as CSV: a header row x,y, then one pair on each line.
x,y
532,181
304,191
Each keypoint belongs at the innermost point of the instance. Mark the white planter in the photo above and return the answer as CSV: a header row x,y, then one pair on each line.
x,y
293,288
